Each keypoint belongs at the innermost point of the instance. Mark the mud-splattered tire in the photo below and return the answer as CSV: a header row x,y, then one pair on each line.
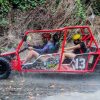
x,y
5,68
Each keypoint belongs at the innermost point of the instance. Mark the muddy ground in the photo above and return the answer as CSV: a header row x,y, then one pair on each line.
x,y
30,86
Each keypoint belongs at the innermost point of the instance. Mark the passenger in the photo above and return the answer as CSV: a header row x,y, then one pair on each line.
x,y
48,48
79,47
56,41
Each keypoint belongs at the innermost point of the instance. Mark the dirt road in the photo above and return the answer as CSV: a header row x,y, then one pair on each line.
x,y
29,86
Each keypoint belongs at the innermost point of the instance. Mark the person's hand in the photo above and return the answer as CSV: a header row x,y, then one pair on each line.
x,y
30,48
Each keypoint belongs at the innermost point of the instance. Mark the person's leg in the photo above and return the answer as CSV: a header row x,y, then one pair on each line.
x,y
69,55
30,55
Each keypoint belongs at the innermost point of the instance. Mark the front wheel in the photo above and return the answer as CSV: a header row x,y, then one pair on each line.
x,y
5,68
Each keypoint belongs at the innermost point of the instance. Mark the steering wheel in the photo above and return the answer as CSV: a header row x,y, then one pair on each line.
x,y
26,45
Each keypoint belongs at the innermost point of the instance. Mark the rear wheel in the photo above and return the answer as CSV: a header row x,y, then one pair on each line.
x,y
5,69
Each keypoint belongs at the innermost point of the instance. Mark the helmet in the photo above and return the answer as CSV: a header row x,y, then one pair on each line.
x,y
76,36
46,36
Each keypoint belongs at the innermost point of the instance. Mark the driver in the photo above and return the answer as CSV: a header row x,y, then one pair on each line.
x,y
36,52
79,47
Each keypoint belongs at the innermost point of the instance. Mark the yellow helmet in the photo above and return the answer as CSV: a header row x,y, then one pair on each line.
x,y
76,36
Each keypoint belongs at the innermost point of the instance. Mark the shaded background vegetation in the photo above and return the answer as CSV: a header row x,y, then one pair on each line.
x,y
17,16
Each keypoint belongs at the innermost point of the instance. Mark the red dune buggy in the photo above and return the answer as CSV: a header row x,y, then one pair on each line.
x,y
82,63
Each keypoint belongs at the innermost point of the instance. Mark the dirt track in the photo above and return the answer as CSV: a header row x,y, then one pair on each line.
x,y
29,86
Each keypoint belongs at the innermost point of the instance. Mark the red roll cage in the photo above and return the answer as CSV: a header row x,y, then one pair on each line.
x,y
87,38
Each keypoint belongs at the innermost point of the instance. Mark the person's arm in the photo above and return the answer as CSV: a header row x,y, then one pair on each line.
x,y
30,48
72,48
38,47
43,50
35,47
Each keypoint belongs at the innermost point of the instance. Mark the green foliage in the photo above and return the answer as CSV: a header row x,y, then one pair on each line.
x,y
24,5
7,5
4,22
4,6
80,10
96,7
57,3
